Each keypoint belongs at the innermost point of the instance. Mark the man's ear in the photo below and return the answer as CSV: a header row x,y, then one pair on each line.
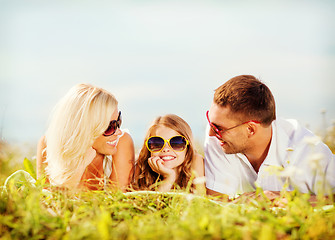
x,y
252,129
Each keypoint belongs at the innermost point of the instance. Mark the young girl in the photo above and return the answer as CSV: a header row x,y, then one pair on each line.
x,y
84,146
167,157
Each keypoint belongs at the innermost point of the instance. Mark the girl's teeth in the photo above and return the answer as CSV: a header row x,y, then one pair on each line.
x,y
167,158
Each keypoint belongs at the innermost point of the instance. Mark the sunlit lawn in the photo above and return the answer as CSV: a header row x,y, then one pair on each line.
x,y
28,212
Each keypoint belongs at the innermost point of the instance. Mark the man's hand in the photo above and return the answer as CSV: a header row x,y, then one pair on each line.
x,y
273,196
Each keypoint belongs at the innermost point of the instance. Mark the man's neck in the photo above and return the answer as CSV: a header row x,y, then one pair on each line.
x,y
260,148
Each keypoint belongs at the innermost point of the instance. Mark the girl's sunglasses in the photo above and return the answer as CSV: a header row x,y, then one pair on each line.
x,y
156,143
113,125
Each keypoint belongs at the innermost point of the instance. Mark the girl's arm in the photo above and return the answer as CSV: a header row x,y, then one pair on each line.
x,y
123,162
40,158
169,175
167,184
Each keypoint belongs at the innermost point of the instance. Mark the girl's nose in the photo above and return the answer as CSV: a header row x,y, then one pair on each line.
x,y
166,148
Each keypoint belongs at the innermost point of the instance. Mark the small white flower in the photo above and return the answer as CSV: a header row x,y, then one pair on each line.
x,y
312,140
199,180
314,160
274,170
290,171
189,197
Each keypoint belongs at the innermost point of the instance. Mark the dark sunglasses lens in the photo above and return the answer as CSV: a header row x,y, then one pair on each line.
x,y
178,143
215,130
155,144
113,125
119,120
111,128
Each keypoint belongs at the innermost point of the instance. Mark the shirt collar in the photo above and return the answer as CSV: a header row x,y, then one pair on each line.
x,y
272,158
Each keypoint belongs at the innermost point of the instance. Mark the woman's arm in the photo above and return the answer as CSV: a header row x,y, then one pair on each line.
x,y
40,158
199,171
123,162
198,165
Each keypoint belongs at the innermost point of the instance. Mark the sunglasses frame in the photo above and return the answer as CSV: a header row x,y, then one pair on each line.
x,y
166,141
219,133
117,124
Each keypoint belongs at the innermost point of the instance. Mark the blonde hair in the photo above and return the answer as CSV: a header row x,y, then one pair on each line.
x,y
80,117
145,177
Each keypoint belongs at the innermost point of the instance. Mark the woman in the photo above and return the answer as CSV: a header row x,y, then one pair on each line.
x,y
168,157
84,146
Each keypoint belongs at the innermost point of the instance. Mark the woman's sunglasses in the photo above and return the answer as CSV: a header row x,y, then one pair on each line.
x,y
156,143
113,125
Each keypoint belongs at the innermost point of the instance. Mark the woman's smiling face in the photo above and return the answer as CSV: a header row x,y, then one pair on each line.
x,y
171,158
106,145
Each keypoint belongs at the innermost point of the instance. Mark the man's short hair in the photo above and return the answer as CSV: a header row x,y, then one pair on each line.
x,y
248,97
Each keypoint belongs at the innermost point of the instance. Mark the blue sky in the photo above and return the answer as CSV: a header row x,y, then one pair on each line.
x,y
162,57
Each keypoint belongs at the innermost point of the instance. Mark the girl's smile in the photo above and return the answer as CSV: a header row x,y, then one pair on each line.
x,y
167,158
172,159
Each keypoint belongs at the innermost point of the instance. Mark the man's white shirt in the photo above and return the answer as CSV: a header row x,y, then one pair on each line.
x,y
296,158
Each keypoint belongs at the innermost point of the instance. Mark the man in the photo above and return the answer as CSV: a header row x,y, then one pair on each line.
x,y
247,146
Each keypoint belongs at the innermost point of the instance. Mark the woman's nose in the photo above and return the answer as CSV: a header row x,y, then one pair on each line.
x,y
118,132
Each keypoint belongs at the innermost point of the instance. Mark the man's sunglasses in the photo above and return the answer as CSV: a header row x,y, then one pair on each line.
x,y
156,143
113,126
219,133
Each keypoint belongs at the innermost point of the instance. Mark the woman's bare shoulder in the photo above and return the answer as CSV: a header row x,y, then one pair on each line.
x,y
126,138
41,157
125,145
41,149
42,142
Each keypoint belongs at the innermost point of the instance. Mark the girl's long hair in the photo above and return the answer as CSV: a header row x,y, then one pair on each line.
x,y
145,177
80,117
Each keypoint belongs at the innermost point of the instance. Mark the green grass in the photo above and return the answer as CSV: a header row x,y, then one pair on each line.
x,y
29,212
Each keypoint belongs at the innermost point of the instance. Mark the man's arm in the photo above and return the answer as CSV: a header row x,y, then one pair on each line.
x,y
281,201
213,193
218,195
